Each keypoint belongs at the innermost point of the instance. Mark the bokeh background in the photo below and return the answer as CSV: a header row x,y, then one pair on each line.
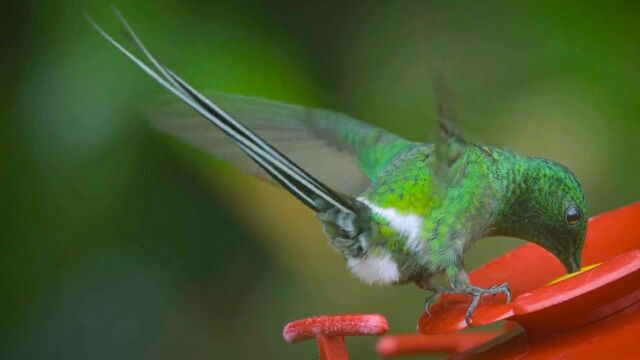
x,y
119,242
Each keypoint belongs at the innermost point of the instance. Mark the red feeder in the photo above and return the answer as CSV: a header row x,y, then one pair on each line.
x,y
578,311
331,330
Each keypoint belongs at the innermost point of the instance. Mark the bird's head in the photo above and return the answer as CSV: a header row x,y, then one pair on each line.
x,y
546,206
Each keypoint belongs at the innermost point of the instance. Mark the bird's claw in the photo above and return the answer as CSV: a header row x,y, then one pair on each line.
x,y
477,293
430,300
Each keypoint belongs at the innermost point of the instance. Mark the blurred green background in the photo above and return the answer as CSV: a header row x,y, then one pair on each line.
x,y
118,242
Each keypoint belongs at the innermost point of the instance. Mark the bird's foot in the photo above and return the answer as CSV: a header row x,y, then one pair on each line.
x,y
430,300
477,293
433,298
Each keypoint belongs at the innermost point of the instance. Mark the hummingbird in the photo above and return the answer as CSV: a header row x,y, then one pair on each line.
x,y
398,211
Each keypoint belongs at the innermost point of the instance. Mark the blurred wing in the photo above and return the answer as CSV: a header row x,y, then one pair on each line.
x,y
344,153
450,145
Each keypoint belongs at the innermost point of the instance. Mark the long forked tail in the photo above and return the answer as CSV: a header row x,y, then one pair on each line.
x,y
294,179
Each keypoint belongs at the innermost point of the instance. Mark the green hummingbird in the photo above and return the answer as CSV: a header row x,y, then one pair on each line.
x,y
398,211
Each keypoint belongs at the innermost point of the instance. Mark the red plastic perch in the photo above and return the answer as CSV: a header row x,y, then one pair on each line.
x,y
330,330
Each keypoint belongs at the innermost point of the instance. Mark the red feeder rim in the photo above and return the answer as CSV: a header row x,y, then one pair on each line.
x,y
414,344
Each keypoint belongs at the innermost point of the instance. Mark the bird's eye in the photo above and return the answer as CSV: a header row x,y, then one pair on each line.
x,y
573,215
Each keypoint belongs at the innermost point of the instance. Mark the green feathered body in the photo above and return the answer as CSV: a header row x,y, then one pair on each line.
x,y
425,222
